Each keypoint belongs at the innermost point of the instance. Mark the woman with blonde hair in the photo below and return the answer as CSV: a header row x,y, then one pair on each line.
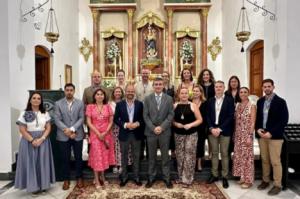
x,y
200,100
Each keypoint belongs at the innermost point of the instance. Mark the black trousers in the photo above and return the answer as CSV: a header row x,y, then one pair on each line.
x,y
65,153
135,150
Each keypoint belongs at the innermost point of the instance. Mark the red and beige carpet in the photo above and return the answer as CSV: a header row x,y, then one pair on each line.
x,y
198,190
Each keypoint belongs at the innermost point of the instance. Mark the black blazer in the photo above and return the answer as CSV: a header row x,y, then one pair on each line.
x,y
121,117
278,117
226,117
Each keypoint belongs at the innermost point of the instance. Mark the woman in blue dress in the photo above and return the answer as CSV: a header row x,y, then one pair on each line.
x,y
35,167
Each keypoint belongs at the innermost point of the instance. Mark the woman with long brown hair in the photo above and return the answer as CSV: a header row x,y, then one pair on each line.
x,y
100,120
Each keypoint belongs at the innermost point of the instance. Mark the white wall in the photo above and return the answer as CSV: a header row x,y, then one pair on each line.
x,y
235,62
67,47
215,29
17,75
282,49
5,138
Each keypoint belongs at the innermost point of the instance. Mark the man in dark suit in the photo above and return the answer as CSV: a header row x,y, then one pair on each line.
x,y
158,116
129,118
220,115
69,118
272,117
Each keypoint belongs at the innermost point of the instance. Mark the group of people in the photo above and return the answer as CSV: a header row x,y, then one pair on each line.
x,y
130,119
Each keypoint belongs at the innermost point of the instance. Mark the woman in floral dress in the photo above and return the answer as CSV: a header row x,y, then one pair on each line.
x,y
243,159
116,96
100,121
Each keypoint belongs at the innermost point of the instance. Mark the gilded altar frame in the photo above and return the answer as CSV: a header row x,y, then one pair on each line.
x,y
191,35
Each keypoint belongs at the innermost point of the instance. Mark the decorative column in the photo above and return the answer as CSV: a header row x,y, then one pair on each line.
x,y
130,66
96,44
204,14
170,41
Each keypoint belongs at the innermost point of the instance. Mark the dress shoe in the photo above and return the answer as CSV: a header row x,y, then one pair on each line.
x,y
66,185
274,191
263,185
212,179
168,184
79,183
123,183
149,184
225,183
138,182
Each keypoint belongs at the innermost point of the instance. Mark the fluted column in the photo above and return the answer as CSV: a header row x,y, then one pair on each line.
x,y
96,44
204,14
130,13
170,40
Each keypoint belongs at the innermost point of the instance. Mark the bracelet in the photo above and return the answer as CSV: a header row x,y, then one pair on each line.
x,y
44,137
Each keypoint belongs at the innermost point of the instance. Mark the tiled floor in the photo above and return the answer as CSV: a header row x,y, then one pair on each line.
x,y
234,192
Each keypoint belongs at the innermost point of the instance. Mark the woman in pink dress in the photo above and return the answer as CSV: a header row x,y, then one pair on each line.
x,y
243,159
100,120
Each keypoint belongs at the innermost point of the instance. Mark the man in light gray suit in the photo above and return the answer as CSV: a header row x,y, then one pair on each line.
x,y
158,115
69,118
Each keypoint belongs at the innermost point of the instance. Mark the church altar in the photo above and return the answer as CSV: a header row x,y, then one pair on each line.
x,y
155,38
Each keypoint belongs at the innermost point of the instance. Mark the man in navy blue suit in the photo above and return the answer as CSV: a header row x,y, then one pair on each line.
x,y
272,117
220,115
129,118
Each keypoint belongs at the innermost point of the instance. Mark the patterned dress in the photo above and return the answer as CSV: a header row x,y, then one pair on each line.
x,y
243,159
100,156
116,130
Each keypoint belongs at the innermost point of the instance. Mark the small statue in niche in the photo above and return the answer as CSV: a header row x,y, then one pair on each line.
x,y
150,43
186,54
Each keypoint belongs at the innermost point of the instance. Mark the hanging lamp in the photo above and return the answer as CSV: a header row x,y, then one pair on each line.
x,y
51,30
243,31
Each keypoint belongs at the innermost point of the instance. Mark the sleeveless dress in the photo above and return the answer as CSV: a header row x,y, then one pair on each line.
x,y
243,159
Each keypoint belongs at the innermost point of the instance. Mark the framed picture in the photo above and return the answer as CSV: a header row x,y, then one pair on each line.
x,y
68,74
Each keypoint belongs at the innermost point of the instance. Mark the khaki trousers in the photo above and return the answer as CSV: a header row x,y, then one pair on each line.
x,y
223,142
270,151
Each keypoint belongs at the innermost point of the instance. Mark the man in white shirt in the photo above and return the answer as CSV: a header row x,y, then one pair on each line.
x,y
220,118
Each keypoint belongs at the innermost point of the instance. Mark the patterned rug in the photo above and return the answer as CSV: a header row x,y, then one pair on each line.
x,y
198,190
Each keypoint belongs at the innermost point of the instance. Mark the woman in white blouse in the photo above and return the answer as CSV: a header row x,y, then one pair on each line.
x,y
35,168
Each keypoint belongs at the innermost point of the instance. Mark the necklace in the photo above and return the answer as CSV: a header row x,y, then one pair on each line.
x,y
99,108
182,112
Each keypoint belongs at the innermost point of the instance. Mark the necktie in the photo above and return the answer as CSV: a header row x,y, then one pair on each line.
x,y
158,101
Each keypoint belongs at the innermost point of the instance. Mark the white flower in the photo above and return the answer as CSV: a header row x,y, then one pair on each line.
x,y
186,50
113,50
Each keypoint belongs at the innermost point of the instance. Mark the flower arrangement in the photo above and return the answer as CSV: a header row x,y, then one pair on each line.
x,y
29,116
186,51
113,51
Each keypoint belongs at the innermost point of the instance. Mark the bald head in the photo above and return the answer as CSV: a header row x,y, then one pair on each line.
x,y
96,78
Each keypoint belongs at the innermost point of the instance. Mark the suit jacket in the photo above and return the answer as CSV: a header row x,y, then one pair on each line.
x,y
121,117
162,117
67,119
278,116
88,92
226,116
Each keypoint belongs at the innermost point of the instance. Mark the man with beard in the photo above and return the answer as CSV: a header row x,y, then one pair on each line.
x,y
69,118
129,117
272,117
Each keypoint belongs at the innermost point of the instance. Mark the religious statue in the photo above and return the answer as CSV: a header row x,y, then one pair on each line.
x,y
113,54
150,43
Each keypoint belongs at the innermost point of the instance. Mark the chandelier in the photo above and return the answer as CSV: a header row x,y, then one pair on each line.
x,y
243,31
51,30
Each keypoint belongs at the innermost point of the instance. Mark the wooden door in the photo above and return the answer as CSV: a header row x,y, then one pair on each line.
x,y
256,68
42,68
